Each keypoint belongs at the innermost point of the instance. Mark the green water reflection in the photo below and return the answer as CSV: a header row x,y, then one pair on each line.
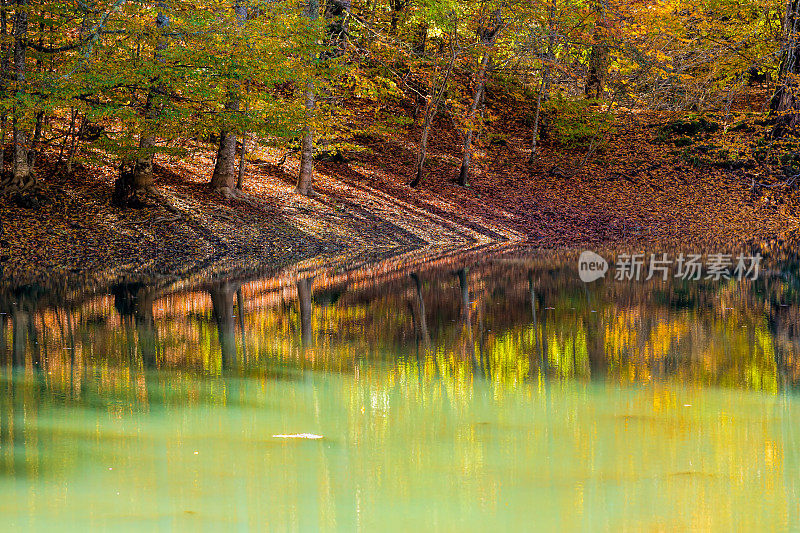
x,y
503,395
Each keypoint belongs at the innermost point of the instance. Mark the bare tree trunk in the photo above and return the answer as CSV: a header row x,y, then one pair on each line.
x,y
431,108
785,105
37,137
73,147
488,36
537,114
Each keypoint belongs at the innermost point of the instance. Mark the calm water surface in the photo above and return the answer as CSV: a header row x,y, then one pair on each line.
x,y
457,394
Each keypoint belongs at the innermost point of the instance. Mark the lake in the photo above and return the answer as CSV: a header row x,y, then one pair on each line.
x,y
448,390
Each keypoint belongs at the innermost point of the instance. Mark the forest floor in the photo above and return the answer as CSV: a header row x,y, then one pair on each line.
x,y
641,189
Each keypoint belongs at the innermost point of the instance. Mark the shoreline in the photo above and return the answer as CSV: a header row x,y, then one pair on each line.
x,y
363,206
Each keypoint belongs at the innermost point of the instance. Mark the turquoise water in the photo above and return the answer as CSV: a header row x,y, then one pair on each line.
x,y
625,406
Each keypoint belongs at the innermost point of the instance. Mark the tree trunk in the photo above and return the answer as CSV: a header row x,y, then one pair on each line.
x,y
785,106
421,39
336,13
431,108
463,176
544,88
306,176
423,144
242,154
537,115
224,176
598,58
22,177
488,36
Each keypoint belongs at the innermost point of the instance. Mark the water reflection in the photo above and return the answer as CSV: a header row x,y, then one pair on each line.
x,y
465,393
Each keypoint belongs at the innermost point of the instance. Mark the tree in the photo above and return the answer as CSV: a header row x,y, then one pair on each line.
x,y
136,174
224,177
438,85
337,13
22,177
306,175
785,103
597,69
488,34
544,86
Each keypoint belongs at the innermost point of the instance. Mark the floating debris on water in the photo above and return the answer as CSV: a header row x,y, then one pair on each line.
x,y
298,436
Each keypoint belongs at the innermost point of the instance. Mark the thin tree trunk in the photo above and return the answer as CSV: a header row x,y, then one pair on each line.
x,y
544,88
431,108
463,176
488,36
242,154
37,137
306,176
537,114
421,39
76,137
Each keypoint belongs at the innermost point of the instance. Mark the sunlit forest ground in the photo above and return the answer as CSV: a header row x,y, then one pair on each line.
x,y
657,179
